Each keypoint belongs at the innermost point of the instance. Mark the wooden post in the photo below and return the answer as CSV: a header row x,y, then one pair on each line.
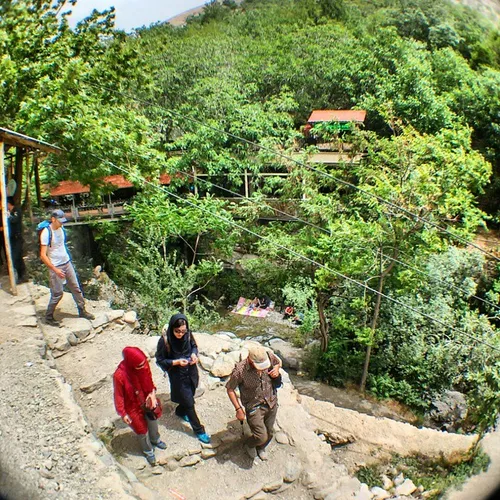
x,y
37,181
3,192
27,198
246,184
18,175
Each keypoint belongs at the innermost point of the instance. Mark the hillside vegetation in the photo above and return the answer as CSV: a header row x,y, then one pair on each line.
x,y
396,301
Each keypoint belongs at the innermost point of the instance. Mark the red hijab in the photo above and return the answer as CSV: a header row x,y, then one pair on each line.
x,y
140,379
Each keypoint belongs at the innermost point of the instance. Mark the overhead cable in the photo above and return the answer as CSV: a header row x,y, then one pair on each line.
x,y
303,257
407,213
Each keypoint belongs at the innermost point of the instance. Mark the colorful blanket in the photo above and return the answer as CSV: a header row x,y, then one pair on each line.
x,y
244,308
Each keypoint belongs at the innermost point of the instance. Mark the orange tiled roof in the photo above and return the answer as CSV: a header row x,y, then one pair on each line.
x,y
117,181
69,187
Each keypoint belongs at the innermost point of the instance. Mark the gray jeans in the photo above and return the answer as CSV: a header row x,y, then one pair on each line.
x,y
153,436
57,285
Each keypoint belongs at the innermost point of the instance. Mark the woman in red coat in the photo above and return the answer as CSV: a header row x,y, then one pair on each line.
x,y
135,400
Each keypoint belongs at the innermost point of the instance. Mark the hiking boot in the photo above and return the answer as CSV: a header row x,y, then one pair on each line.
x,y
49,320
82,313
263,455
160,444
251,452
150,457
203,437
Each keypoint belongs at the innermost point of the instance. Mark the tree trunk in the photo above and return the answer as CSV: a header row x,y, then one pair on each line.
x,y
376,313
373,326
323,324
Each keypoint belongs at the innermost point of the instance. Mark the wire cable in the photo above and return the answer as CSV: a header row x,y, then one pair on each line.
x,y
407,213
315,226
303,257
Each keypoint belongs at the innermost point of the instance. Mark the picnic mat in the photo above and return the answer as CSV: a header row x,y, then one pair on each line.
x,y
243,308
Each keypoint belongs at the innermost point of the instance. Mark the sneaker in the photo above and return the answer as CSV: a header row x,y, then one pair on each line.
x,y
160,444
82,313
150,457
263,455
184,417
251,452
203,437
49,320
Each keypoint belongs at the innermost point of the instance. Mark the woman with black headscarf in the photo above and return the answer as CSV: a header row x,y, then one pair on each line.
x,y
177,354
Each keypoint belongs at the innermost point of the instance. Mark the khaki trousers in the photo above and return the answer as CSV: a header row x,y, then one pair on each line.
x,y
261,422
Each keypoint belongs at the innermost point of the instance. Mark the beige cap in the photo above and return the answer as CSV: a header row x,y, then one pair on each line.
x,y
258,355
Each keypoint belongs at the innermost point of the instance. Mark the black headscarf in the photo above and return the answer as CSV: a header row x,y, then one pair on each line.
x,y
181,348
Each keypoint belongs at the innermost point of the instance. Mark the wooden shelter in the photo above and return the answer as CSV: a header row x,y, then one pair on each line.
x,y
18,148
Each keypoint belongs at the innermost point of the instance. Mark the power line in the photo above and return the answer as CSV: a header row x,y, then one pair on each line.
x,y
407,213
315,226
303,257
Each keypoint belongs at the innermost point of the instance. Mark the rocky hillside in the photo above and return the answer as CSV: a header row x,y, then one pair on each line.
x,y
61,438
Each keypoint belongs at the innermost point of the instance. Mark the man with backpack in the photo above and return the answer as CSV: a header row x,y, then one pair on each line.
x,y
55,256
257,379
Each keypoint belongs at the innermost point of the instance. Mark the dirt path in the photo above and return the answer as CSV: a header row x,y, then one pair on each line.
x,y
46,450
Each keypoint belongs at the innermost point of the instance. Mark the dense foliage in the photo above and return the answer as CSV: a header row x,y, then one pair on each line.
x,y
225,97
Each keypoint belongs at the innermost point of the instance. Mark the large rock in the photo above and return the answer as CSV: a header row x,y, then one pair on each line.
x,y
206,362
291,356
114,314
448,411
80,327
380,493
130,317
100,320
223,366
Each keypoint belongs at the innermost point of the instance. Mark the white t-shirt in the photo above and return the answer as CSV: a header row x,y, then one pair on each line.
x,y
56,252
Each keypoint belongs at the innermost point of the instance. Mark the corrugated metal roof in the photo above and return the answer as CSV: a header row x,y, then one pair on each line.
x,y
338,115
18,140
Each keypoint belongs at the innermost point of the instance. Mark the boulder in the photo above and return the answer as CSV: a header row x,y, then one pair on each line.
x,y
291,356
448,411
100,320
364,493
223,366
405,488
80,327
235,356
206,362
72,339
387,482
130,317
380,493
93,386
273,486
114,314
189,461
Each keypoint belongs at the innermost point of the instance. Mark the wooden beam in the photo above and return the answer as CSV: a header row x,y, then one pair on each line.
x,y
38,189
5,221
18,175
